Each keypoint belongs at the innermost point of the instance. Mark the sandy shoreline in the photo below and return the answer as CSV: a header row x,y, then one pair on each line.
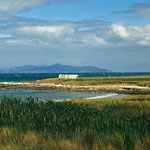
x,y
104,88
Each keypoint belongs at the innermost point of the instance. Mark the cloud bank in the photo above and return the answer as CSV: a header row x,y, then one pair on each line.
x,y
68,34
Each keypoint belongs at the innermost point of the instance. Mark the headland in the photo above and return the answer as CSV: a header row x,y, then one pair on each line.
x,y
120,85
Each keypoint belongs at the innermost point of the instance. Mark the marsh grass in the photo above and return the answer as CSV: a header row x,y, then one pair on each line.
x,y
17,140
135,80
143,144
113,124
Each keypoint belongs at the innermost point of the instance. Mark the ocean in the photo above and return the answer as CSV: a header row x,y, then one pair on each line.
x,y
56,95
17,77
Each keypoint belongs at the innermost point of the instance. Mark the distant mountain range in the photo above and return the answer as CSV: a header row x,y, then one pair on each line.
x,y
56,68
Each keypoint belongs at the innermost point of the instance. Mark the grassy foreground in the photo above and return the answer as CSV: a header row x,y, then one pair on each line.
x,y
113,124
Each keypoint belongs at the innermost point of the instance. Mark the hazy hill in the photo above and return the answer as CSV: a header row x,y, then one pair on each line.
x,y
56,68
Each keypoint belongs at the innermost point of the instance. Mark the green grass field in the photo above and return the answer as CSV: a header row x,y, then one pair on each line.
x,y
79,124
136,80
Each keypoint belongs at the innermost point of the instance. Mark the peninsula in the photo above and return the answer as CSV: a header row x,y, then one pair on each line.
x,y
122,85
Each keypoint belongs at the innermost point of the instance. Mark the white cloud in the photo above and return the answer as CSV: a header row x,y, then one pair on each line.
x,y
67,35
11,6
120,30
47,30
15,6
93,40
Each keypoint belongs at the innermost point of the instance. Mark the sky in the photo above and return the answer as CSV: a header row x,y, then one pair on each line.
x,y
110,34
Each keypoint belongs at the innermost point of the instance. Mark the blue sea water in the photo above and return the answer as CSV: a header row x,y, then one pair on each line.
x,y
56,95
16,77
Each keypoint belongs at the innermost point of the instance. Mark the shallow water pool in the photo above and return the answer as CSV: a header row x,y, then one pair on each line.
x,y
55,95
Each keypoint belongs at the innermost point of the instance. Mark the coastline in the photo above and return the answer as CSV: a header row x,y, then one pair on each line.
x,y
103,88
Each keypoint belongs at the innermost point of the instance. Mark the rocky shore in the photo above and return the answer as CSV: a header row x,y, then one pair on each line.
x,y
104,88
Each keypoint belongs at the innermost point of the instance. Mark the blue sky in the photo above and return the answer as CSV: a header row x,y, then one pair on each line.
x,y
82,10
111,34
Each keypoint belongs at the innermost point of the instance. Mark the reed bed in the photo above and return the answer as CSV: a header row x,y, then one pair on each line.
x,y
122,124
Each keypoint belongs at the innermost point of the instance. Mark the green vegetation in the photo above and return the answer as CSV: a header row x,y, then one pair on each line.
x,y
136,80
79,124
124,85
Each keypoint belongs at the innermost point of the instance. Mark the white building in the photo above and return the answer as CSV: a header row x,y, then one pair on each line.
x,y
68,76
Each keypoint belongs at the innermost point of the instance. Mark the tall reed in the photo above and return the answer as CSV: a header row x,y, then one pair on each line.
x,y
114,124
